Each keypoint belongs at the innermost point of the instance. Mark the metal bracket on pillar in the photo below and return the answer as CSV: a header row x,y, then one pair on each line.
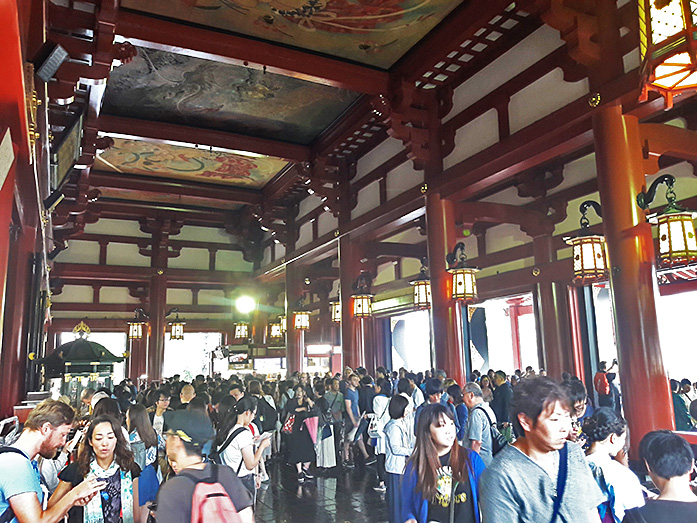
x,y
644,199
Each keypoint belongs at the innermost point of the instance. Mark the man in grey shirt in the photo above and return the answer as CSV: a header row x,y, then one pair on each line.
x,y
478,430
521,483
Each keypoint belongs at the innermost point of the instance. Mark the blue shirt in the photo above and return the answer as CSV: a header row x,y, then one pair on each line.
x,y
18,475
352,395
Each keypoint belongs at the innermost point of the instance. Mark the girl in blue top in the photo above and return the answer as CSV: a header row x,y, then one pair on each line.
x,y
441,477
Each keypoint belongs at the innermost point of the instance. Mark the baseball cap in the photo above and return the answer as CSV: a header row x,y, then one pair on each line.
x,y
191,426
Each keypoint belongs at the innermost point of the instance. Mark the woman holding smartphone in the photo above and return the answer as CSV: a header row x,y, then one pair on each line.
x,y
103,455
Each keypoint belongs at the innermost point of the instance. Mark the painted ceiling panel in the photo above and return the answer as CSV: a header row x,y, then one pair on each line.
x,y
179,89
372,32
202,165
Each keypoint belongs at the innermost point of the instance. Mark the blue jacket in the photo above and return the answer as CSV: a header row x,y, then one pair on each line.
x,y
414,506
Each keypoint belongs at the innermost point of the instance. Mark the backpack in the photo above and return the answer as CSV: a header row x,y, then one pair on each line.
x,y
9,515
266,416
211,502
498,440
214,455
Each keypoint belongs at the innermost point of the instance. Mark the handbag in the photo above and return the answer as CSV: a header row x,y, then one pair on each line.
x,y
288,425
498,441
561,480
373,431
326,432
362,428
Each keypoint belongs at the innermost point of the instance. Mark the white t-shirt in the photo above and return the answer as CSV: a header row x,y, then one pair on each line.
x,y
232,455
158,423
626,485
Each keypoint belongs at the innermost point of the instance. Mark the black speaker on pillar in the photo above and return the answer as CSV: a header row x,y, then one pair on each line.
x,y
49,58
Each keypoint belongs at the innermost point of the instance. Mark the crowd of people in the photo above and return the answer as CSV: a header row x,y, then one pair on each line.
x,y
520,448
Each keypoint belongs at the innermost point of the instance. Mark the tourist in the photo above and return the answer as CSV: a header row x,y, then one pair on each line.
x,y
478,430
381,402
145,443
607,437
324,446
235,443
601,385
186,437
86,402
301,449
682,416
519,483
485,385
437,467
187,393
103,455
352,420
434,393
21,494
669,461
110,407
615,394
457,400
156,413
502,397
581,409
399,444
337,405
417,395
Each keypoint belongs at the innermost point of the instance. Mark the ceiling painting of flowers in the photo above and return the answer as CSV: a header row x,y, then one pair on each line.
x,y
174,88
186,163
372,32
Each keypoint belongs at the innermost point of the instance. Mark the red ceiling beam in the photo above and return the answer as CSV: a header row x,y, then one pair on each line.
x,y
154,33
168,132
282,183
128,307
144,242
393,249
128,210
214,194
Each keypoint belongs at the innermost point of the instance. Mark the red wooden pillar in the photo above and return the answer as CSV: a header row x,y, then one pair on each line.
x,y
13,360
158,325
447,327
353,342
576,336
138,361
619,162
295,338
513,315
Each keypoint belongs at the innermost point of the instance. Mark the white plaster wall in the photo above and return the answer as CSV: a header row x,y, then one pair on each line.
x,y
631,60
543,97
474,137
190,258
203,234
304,235
378,156
531,50
576,172
308,204
470,246
408,236
232,261
74,294
506,267
118,227
280,251
385,274
573,216
402,179
80,252
179,297
125,254
267,256
410,267
368,199
212,297
327,222
116,295
505,236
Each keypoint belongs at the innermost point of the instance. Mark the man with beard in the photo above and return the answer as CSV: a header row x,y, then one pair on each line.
x,y
21,492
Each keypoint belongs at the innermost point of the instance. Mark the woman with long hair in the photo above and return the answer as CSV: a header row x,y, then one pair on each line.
x,y
606,433
441,477
103,455
301,449
399,444
380,406
235,443
145,443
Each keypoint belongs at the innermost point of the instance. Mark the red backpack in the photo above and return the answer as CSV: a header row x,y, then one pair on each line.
x,y
211,502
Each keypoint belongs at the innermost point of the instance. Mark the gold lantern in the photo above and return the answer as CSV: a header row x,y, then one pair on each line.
x,y
135,326
302,320
275,330
667,46
362,305
422,289
677,245
177,328
464,277
241,331
336,310
589,250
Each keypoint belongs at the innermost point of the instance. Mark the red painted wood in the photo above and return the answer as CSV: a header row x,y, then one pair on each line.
x,y
621,177
207,44
158,326
514,313
295,338
138,360
576,337
159,131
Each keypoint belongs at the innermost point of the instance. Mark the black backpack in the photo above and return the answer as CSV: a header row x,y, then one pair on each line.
x,y
266,416
9,515
498,440
214,455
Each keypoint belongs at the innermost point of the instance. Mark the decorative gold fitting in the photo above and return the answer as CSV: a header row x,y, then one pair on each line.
x,y
536,271
594,100
424,188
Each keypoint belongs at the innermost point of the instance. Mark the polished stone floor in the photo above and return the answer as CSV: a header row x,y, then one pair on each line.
x,y
342,495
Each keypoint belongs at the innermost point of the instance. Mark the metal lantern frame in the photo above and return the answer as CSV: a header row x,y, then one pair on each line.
x,y
422,289
301,320
135,326
362,298
335,306
589,250
677,244
668,47
464,276
275,330
176,326
283,320
241,330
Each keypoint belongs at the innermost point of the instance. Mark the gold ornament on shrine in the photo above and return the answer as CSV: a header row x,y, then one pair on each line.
x,y
668,47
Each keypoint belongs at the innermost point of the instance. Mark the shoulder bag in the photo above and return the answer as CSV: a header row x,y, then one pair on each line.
x,y
561,480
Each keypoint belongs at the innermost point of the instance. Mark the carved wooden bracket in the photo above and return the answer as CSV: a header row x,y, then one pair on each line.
x,y
532,223
321,179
